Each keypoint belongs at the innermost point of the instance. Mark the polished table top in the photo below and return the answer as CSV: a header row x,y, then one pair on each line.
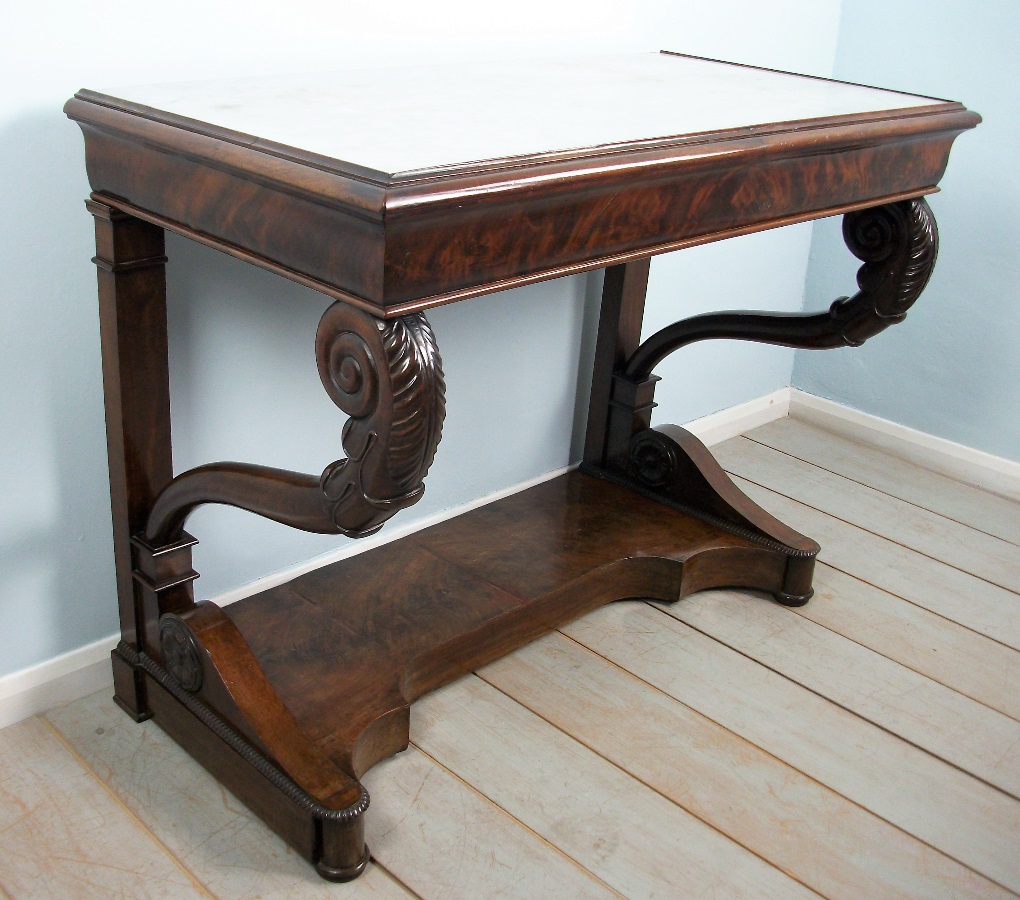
x,y
400,120
397,190
394,193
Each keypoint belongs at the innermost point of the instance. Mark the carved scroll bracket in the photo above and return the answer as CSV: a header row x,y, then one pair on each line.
x,y
897,243
387,376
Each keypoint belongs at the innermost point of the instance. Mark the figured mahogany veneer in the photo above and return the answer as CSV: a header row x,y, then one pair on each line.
x,y
315,678
414,615
394,243
292,694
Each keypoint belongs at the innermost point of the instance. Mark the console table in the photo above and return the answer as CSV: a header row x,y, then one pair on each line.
x,y
394,192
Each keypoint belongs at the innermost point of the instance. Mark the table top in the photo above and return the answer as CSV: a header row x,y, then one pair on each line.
x,y
404,120
403,189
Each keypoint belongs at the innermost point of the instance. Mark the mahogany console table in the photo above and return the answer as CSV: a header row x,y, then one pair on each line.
x,y
391,193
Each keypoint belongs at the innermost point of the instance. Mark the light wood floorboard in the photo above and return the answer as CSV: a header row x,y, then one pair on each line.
x,y
744,791
942,721
958,596
938,537
932,645
865,745
225,846
974,823
875,468
63,835
632,837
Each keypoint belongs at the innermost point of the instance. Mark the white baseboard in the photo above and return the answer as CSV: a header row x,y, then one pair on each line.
x,y
56,681
993,473
728,423
71,676
81,672
385,537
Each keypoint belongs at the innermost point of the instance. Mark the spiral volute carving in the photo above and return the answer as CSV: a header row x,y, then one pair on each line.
x,y
352,380
387,375
898,244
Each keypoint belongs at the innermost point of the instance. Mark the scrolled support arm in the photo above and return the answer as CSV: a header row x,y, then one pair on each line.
x,y
897,243
387,376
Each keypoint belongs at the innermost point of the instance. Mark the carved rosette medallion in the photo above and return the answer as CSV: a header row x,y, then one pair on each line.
x,y
653,459
180,652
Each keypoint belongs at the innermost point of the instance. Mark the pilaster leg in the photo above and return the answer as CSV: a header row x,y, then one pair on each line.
x,y
130,261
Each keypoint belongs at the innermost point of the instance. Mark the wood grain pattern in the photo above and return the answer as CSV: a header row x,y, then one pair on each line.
x,y
897,243
971,506
420,612
948,725
443,838
130,265
928,583
748,752
224,844
395,246
937,803
388,377
620,315
130,262
631,837
749,795
943,651
299,690
936,536
63,835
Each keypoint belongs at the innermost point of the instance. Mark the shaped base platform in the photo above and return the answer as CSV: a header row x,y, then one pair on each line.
x,y
312,681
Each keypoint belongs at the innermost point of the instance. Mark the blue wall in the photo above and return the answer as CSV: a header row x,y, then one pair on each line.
x,y
244,383
953,369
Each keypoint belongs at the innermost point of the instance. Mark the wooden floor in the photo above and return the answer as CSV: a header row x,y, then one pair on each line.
x,y
866,745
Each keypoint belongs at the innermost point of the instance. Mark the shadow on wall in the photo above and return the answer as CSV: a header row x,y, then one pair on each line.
x,y
244,386
56,557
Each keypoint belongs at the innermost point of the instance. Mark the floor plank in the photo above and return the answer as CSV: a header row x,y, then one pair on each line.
x,y
950,654
938,719
871,466
63,835
226,847
950,810
982,555
445,840
746,793
724,746
945,590
630,836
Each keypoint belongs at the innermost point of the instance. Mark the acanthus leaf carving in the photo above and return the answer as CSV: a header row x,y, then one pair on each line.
x,y
387,375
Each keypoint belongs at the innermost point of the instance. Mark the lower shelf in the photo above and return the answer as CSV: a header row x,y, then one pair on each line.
x,y
349,646
314,679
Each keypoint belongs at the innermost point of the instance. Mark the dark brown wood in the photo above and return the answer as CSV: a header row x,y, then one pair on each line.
x,y
164,580
619,334
418,613
130,263
292,694
330,838
405,242
898,244
388,377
